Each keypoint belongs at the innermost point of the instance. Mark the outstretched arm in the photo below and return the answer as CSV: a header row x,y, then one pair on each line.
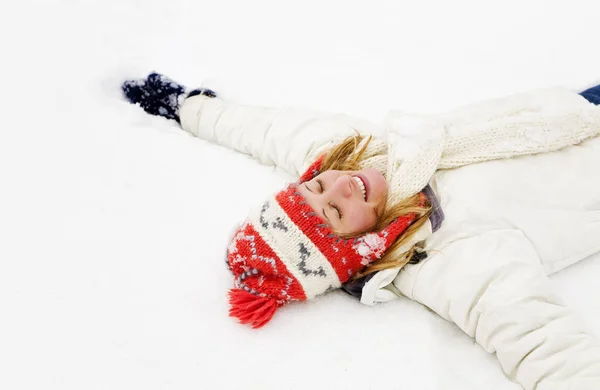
x,y
494,288
289,138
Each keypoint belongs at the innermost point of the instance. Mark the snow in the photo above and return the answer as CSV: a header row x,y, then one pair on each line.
x,y
114,223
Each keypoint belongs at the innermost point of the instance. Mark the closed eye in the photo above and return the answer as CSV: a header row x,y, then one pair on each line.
x,y
337,209
319,190
321,187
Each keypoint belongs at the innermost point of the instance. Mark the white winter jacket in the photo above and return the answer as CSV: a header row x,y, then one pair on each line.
x,y
508,224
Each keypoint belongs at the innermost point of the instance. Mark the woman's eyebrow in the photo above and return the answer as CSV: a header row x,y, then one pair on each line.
x,y
323,211
306,185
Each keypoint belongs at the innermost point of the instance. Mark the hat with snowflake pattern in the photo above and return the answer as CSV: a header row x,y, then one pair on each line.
x,y
285,252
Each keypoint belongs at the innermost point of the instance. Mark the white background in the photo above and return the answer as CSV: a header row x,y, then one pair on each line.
x,y
113,223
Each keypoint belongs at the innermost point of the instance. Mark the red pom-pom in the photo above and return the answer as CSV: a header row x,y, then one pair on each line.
x,y
251,309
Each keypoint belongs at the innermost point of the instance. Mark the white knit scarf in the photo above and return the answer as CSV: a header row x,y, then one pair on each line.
x,y
416,146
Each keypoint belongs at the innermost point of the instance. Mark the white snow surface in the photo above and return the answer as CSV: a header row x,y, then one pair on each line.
x,y
114,223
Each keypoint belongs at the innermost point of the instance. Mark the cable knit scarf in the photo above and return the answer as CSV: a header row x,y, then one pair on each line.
x,y
416,146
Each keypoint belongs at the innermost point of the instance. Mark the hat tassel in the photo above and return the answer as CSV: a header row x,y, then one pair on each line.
x,y
251,309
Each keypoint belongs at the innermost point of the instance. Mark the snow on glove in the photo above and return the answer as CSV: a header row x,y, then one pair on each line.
x,y
159,95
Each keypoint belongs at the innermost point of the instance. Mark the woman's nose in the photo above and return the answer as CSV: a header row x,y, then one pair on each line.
x,y
343,186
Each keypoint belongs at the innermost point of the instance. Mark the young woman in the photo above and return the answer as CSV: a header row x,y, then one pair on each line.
x,y
366,206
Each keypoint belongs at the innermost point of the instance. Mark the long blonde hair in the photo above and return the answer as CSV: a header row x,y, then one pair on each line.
x,y
347,156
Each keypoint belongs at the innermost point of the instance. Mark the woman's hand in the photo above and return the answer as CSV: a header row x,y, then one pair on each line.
x,y
159,95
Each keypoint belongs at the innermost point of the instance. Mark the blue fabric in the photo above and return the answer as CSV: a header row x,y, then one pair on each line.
x,y
355,287
437,215
592,95
159,95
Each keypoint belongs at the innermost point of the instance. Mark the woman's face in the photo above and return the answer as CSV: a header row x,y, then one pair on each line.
x,y
349,201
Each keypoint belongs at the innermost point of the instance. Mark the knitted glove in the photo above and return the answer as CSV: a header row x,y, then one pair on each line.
x,y
159,95
592,95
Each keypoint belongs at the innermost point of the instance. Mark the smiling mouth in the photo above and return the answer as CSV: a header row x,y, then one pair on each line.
x,y
361,185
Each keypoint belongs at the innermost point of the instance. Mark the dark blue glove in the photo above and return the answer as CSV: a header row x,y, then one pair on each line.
x,y
159,95
592,95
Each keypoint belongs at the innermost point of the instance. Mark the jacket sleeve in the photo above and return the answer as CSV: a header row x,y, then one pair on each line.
x,y
494,288
288,138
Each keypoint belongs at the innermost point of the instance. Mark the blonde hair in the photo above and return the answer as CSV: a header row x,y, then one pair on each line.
x,y
347,156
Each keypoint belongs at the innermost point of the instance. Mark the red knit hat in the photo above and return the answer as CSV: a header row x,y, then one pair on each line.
x,y
285,252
